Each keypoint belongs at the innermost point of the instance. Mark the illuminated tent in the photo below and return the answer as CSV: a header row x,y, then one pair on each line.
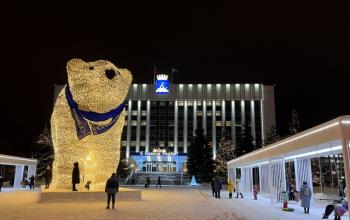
x,y
330,138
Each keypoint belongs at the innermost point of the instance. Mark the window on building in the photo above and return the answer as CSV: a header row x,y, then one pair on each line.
x,y
181,103
143,143
134,113
144,113
209,113
209,103
199,113
190,103
133,123
143,123
218,123
170,143
218,103
133,143
161,143
199,103
123,143
228,123
217,113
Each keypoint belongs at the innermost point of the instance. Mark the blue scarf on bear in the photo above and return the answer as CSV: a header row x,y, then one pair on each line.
x,y
84,127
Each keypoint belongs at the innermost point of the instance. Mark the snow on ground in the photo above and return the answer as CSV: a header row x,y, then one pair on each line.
x,y
167,203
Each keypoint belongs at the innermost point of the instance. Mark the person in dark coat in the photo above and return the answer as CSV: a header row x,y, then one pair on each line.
x,y
75,175
31,182
1,182
212,183
48,176
218,187
112,187
159,183
148,181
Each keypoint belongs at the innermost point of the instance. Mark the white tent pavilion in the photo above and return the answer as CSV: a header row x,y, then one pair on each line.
x,y
19,163
329,138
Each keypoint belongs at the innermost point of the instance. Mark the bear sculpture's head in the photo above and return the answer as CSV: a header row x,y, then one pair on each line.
x,y
97,86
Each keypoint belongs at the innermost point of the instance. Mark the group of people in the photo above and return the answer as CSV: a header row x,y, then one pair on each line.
x,y
216,186
148,182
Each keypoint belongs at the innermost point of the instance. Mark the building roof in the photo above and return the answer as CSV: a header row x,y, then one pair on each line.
x,y
324,139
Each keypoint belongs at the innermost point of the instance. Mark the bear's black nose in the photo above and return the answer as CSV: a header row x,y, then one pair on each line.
x,y
110,74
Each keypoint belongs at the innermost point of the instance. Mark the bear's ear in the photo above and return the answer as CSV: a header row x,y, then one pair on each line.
x,y
75,64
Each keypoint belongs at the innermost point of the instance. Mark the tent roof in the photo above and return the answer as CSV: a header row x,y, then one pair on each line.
x,y
321,140
14,160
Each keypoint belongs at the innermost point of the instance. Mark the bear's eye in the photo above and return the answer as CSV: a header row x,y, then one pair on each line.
x,y
91,68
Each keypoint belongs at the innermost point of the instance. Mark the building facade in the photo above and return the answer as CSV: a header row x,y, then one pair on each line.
x,y
161,122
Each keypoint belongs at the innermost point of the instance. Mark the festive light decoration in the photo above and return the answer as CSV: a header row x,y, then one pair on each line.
x,y
98,88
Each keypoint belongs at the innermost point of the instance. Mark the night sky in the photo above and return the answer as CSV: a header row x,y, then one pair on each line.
x,y
302,48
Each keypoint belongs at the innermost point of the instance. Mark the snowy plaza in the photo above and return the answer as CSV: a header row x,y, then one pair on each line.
x,y
166,203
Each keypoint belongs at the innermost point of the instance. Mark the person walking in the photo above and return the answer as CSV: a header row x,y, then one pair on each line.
x,y
305,195
158,183
230,188
218,187
48,176
238,189
212,183
31,182
75,176
112,187
146,180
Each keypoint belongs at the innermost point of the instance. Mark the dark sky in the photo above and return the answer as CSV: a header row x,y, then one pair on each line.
x,y
302,48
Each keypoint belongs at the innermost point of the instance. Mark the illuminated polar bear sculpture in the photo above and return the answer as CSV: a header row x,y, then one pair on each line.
x,y
87,122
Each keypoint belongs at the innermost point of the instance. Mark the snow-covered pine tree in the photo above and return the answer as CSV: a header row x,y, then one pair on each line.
x,y
272,136
43,151
224,153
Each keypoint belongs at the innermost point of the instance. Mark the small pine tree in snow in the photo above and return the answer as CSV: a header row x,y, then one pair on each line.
x,y
294,125
224,153
43,152
246,144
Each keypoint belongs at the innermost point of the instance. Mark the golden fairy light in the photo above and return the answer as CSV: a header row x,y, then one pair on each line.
x,y
96,89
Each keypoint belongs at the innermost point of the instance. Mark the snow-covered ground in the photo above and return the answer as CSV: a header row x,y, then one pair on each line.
x,y
166,203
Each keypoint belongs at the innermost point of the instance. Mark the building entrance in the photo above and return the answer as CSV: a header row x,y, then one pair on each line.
x,y
165,167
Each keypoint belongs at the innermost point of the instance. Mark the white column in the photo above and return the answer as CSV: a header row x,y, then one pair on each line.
x,y
260,178
148,118
31,171
243,114
296,172
233,122
214,127
18,176
138,126
176,126
194,117
223,118
185,126
204,119
128,135
284,174
252,116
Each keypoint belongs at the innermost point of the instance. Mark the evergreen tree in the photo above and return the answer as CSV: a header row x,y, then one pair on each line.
x,y
199,157
272,136
43,151
224,153
246,144
294,125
